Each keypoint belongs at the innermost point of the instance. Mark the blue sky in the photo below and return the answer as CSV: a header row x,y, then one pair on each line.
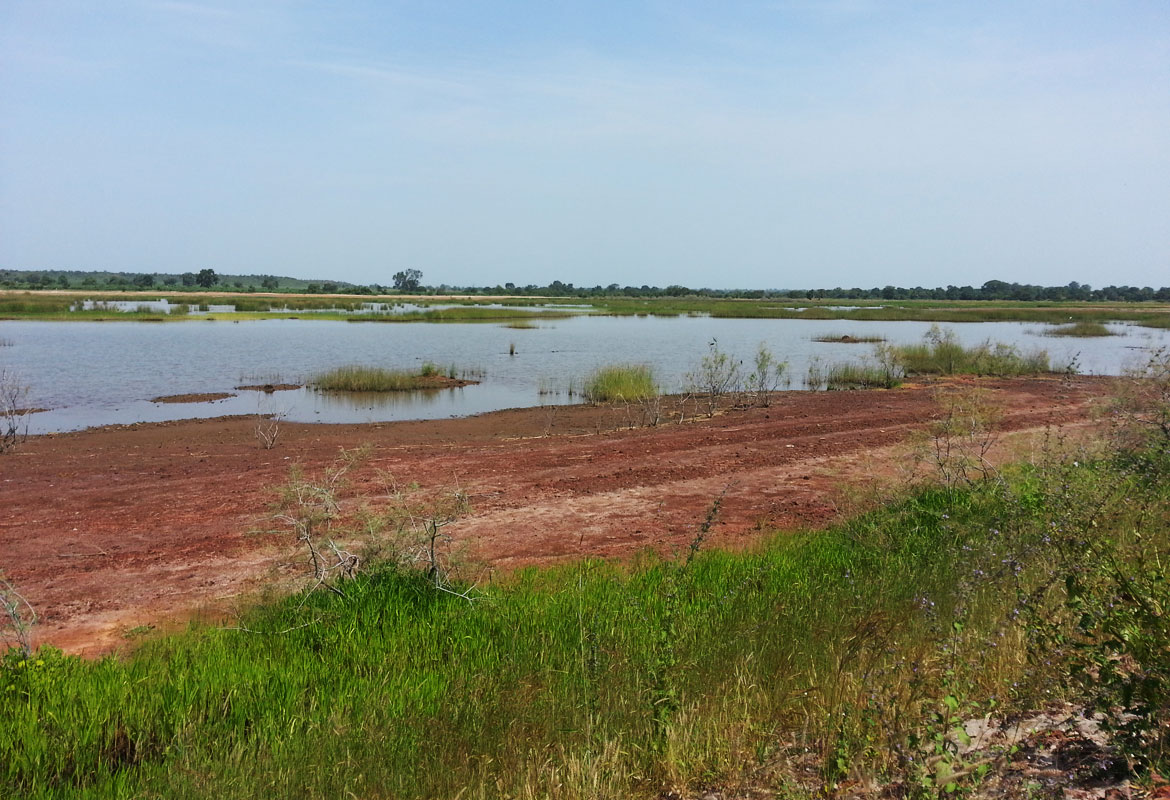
x,y
725,144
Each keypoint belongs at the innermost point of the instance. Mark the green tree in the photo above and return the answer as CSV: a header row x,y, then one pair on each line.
x,y
206,278
407,280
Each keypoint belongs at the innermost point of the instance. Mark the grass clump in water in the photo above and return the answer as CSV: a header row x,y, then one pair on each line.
x,y
621,383
355,378
846,338
1080,329
942,354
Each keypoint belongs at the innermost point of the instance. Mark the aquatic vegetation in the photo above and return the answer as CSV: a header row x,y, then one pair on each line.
x,y
621,383
356,378
1080,329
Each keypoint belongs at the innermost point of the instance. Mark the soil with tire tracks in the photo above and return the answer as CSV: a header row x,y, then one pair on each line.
x,y
113,529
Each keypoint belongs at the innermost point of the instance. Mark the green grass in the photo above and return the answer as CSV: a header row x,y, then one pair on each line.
x,y
356,378
942,354
854,375
620,383
592,680
1080,329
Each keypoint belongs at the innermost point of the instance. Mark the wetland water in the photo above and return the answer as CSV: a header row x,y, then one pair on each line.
x,y
103,373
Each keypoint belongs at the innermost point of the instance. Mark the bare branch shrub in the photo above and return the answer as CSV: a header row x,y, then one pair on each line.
x,y
409,531
18,618
268,426
13,414
958,441
309,508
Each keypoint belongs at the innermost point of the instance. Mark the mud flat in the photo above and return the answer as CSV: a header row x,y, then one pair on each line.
x,y
107,530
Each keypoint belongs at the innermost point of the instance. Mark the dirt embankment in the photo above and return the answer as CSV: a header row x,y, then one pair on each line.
x,y
113,528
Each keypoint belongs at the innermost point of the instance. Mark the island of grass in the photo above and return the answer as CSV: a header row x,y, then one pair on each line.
x,y
1083,329
845,338
356,378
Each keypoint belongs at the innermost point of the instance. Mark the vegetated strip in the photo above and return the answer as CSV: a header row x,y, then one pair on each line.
x,y
850,649
41,305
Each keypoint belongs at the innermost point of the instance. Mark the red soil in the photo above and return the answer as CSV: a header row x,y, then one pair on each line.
x,y
113,528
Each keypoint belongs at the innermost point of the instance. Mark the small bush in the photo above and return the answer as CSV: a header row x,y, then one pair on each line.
x,y
621,383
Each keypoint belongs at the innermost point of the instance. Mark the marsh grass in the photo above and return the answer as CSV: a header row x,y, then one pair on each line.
x,y
860,375
356,378
621,383
1080,329
941,354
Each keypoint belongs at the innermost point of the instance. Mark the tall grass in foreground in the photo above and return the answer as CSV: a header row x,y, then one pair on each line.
x,y
620,382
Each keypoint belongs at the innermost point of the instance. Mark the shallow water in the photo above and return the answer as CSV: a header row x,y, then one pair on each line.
x,y
101,373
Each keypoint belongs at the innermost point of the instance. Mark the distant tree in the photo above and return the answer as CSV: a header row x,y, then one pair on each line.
x,y
188,278
144,281
270,283
329,288
171,281
313,288
407,280
206,278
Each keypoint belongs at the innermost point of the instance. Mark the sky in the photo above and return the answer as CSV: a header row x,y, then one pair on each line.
x,y
766,144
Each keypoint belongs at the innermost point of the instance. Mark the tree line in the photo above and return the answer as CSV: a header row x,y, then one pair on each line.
x,y
410,281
